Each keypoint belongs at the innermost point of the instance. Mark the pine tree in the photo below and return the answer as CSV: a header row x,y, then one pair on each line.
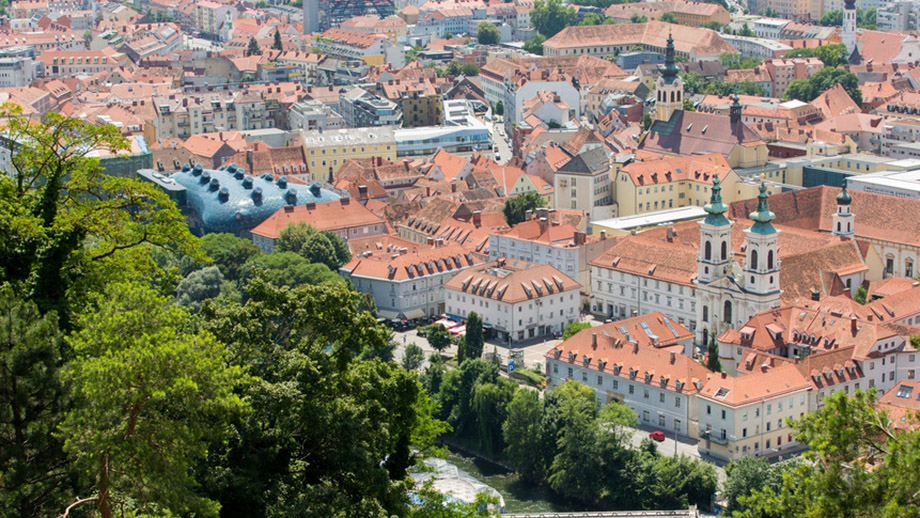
x,y
253,49
712,362
277,45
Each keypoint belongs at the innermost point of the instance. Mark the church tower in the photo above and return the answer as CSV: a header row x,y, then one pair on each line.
x,y
669,88
849,26
761,269
843,218
714,259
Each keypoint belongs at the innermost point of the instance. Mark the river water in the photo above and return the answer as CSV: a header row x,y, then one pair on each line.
x,y
519,496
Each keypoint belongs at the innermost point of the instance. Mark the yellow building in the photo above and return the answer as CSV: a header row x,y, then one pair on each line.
x,y
326,151
420,101
673,182
687,13
209,16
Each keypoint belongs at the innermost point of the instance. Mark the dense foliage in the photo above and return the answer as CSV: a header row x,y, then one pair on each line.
x,y
515,209
562,441
146,372
487,33
808,89
551,16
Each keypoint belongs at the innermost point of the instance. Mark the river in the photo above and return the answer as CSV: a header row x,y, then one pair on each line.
x,y
519,496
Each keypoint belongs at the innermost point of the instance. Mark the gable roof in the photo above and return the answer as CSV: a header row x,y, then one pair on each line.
x,y
688,133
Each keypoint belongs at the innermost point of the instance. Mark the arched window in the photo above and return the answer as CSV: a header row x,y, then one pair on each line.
x,y
672,96
770,260
708,253
724,250
727,312
753,259
838,226
705,313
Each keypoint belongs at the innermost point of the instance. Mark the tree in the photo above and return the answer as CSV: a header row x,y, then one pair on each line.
x,y
229,253
469,69
413,357
646,121
769,12
534,45
489,408
824,79
593,19
667,18
551,16
858,463
516,208
800,89
746,475
734,61
521,429
474,340
832,18
500,108
712,355
714,26
369,421
199,286
438,337
867,19
457,390
277,45
34,472
688,105
69,228
151,395
638,18
575,469
574,327
289,269
453,68
293,237
746,31
316,247
253,48
487,34
861,294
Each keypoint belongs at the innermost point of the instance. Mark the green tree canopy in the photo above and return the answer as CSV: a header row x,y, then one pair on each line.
x,y
277,45
289,269
229,253
534,46
808,89
151,396
412,357
34,472
667,18
474,341
745,476
469,69
638,18
712,355
573,328
551,16
746,31
732,61
438,337
487,33
522,429
199,286
858,464
252,49
368,420
516,208
69,228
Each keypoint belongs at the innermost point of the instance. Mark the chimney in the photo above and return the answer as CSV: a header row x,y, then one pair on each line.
x,y
249,159
870,317
403,251
594,340
288,208
345,201
815,295
453,187
670,234
579,238
477,218
528,215
635,347
430,241
362,191
724,375
853,327
543,225
311,205
603,235
673,357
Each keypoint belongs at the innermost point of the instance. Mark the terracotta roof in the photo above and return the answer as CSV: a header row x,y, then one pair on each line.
x,y
690,133
333,215
902,404
835,101
889,286
512,280
587,69
351,38
386,244
449,164
690,40
814,208
742,390
664,6
613,353
879,47
405,265
897,306
697,168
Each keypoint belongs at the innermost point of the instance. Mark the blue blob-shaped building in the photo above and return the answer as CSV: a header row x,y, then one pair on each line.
x,y
229,200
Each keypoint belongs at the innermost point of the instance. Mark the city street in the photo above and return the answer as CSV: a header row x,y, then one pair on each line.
x,y
502,146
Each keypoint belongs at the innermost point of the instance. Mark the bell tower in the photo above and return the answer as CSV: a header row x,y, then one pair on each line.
x,y
849,26
714,259
669,88
843,218
761,268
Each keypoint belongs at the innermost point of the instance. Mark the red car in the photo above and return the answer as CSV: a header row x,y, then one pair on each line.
x,y
658,435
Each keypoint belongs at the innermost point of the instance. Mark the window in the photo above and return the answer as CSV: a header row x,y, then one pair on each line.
x,y
645,393
631,389
677,401
661,397
708,409
570,372
723,415
600,380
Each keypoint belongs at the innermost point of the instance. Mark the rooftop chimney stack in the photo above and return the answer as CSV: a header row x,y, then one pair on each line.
x,y
673,357
594,340
477,218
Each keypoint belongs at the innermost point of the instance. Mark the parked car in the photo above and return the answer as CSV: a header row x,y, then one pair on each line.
x,y
657,435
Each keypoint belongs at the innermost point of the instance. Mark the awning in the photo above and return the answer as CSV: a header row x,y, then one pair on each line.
x,y
414,313
382,313
458,330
